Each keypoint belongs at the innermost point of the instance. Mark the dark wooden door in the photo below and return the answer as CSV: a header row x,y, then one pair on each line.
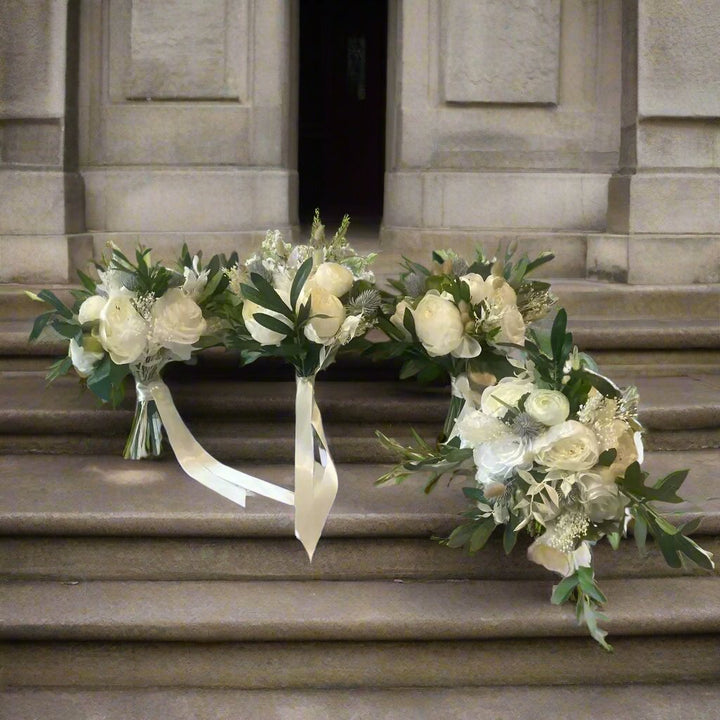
x,y
342,108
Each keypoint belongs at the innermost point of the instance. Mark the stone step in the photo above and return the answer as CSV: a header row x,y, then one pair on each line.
x,y
571,702
246,420
317,634
80,517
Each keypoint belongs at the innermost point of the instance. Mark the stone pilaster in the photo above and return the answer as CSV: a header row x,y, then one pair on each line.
x,y
664,203
41,194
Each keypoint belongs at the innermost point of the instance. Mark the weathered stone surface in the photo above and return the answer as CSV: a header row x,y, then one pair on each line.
x,y
26,142
501,52
32,56
679,58
180,50
678,144
187,200
687,259
19,254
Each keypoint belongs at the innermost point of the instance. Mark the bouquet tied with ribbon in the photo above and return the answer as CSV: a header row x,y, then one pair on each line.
x,y
134,320
556,451
304,303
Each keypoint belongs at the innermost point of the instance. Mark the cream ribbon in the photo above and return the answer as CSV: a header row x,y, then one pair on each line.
x,y
197,462
316,483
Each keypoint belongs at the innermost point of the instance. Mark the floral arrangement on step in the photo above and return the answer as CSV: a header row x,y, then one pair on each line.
x,y
459,321
555,451
304,303
134,320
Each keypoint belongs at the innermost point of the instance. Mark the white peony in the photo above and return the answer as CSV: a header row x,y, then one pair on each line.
x,y
479,290
178,322
122,331
259,332
600,495
475,427
512,327
500,292
323,329
84,360
496,398
564,563
438,324
567,446
500,459
334,278
91,308
550,407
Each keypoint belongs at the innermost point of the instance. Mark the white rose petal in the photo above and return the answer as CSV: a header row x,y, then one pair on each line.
x,y
549,407
259,332
600,495
122,331
512,327
496,398
334,278
178,322
469,347
398,316
91,308
83,360
479,290
500,292
324,329
438,324
567,446
500,459
349,329
563,563
195,282
475,428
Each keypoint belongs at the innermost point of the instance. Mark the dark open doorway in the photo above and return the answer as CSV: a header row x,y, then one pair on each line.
x,y
343,68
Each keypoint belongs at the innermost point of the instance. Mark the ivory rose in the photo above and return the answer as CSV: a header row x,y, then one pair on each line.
x,y
397,317
567,446
84,359
122,330
543,553
178,322
478,288
500,459
91,308
259,332
508,391
549,407
512,326
602,499
438,324
334,278
323,329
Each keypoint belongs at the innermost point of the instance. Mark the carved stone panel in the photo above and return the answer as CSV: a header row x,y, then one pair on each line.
x,y
501,51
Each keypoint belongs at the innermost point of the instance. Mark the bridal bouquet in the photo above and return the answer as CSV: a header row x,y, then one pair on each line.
x,y
304,303
556,451
460,320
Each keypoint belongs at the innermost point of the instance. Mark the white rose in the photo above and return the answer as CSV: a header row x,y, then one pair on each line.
x,y
550,407
91,308
259,332
122,331
500,292
478,288
83,360
349,329
178,322
543,553
475,428
438,324
512,327
334,278
500,459
601,497
626,442
324,329
508,391
567,446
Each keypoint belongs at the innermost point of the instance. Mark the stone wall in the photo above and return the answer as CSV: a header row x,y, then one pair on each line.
x,y
588,126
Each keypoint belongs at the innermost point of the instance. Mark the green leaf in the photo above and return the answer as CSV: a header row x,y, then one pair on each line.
x,y
669,550
40,324
640,530
665,490
481,535
88,283
557,336
409,322
509,536
614,539
544,257
607,458
460,536
266,297
58,368
672,482
411,367
299,280
564,589
52,299
69,330
273,323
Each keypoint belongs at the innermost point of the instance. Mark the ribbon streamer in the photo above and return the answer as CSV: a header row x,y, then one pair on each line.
x,y
197,462
316,483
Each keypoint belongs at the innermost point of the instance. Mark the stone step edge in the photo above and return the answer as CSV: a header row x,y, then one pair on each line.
x,y
357,611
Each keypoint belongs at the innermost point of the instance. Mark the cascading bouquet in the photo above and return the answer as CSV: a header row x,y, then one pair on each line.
x,y
138,318
459,320
303,304
556,451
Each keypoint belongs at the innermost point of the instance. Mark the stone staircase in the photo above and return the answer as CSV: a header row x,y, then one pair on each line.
x,y
129,591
